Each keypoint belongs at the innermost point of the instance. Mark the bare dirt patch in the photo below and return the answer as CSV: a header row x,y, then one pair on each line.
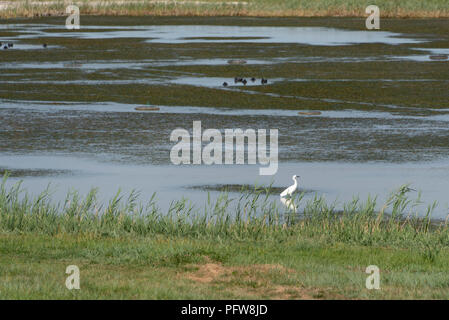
x,y
252,281
207,273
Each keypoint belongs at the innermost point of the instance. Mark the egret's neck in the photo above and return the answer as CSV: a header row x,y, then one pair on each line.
x,y
296,182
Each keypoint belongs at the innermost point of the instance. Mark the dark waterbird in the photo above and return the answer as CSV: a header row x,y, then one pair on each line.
x,y
225,84
10,45
253,79
44,45
244,82
264,81
237,79
5,47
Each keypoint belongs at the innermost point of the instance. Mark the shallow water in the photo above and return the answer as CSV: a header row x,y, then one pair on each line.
x,y
93,145
67,112
102,107
123,64
338,182
343,135
223,34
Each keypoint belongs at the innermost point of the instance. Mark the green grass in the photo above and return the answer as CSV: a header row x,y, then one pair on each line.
x,y
126,249
166,267
405,8
129,250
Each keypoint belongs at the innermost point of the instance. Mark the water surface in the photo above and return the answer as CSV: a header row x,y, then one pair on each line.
x,y
67,112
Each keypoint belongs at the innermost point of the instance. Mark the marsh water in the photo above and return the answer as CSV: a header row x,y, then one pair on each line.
x,y
381,103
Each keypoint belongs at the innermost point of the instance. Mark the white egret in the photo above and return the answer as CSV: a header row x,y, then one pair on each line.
x,y
289,204
289,191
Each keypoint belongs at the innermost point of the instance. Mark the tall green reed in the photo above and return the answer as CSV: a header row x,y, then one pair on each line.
x,y
252,214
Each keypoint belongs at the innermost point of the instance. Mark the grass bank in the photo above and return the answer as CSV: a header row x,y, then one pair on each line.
x,y
267,8
250,249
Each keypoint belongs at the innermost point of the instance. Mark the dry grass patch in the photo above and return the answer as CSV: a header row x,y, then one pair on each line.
x,y
253,281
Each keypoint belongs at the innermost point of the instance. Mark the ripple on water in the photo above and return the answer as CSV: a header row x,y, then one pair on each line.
x,y
232,34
